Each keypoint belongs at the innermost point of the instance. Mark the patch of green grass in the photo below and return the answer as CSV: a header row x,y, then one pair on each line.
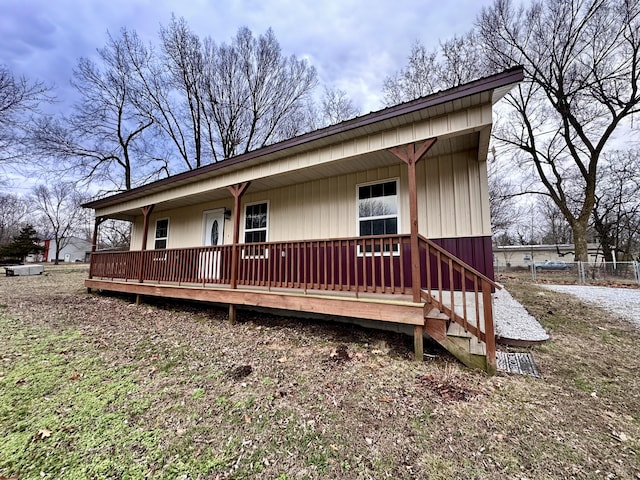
x,y
198,394
66,415
583,384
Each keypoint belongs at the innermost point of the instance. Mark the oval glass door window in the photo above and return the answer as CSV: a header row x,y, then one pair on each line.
x,y
214,233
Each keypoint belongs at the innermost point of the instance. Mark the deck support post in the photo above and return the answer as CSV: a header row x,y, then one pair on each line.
x,y
138,299
232,314
490,338
146,212
418,343
237,191
411,157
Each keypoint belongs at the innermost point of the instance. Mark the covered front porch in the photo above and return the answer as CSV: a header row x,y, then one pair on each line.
x,y
374,278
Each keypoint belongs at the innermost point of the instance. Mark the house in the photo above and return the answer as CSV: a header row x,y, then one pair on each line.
x,y
384,217
74,249
523,256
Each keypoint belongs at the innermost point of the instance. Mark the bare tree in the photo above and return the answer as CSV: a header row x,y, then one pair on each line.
x,y
106,138
115,234
337,106
616,215
456,61
555,228
182,60
18,98
60,207
504,210
254,93
582,65
213,101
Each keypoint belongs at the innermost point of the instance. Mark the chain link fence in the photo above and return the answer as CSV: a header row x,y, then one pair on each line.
x,y
625,273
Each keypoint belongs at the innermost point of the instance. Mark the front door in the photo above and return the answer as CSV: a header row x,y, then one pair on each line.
x,y
213,227
213,234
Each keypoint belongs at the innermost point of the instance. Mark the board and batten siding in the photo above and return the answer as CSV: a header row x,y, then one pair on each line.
x,y
452,202
453,196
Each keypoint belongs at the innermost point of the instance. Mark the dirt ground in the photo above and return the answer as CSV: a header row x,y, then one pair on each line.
x,y
281,398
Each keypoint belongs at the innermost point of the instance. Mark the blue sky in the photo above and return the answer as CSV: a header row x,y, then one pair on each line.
x,y
353,44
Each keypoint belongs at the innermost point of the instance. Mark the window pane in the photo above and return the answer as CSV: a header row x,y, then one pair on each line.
x,y
378,227
390,188
364,192
391,226
160,244
365,227
364,208
162,226
377,190
255,236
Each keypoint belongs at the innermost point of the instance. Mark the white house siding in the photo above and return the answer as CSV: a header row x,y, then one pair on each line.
x,y
76,249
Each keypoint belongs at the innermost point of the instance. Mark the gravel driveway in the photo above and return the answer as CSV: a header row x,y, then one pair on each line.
x,y
624,302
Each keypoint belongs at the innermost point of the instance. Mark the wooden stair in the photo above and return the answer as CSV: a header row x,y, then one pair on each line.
x,y
452,336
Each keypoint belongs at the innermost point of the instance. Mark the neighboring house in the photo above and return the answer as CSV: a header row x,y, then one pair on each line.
x,y
75,250
380,218
522,256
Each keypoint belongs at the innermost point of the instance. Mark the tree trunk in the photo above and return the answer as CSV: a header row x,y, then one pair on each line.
x,y
580,240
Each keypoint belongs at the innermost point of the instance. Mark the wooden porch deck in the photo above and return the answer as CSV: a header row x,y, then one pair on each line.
x,y
373,278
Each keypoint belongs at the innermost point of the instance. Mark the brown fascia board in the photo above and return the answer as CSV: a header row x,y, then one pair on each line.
x,y
507,77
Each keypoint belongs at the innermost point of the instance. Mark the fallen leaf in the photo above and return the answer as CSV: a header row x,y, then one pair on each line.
x,y
385,399
282,359
620,436
247,419
42,434
75,376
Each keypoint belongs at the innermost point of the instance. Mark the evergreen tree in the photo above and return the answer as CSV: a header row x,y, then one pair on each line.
x,y
23,244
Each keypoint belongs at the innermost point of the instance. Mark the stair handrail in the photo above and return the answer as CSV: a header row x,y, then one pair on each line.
x,y
466,272
468,268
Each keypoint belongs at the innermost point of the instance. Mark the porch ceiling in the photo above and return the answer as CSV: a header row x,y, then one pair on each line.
x,y
378,159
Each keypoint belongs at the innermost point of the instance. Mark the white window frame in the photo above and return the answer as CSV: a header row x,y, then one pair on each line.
x,y
396,249
155,234
265,253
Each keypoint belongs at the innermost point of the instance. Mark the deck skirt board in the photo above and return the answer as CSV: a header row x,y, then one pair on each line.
x,y
367,307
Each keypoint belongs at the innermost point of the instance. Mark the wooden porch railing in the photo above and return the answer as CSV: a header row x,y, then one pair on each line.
x,y
459,291
377,264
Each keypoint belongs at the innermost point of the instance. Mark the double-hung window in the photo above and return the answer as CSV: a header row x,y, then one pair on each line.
x,y
162,233
256,222
378,211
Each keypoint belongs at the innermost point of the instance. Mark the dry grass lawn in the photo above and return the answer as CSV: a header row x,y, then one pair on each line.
x,y
92,386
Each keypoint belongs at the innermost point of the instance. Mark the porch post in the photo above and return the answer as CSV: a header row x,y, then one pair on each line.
x,y
237,191
411,157
94,240
146,212
94,243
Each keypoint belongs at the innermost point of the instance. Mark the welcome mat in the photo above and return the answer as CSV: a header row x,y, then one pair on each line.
x,y
520,363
